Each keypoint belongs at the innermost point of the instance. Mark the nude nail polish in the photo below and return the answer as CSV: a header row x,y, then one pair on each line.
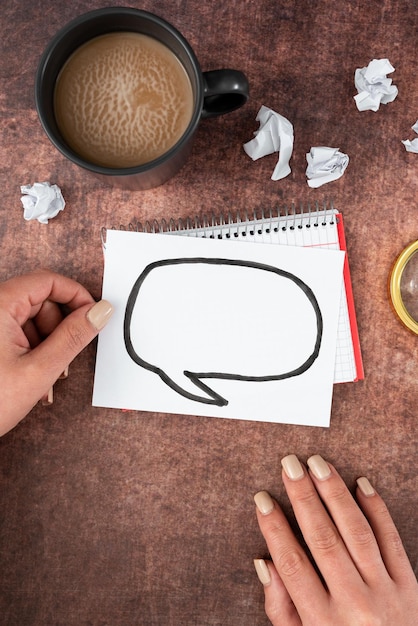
x,y
365,487
100,314
48,399
292,467
319,468
64,374
264,502
262,571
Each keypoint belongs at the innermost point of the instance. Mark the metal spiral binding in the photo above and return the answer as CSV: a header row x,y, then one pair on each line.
x,y
239,225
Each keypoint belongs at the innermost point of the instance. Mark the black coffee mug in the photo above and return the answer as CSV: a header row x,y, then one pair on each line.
x,y
215,92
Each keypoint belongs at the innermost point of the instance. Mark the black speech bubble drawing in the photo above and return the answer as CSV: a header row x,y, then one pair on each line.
x,y
196,377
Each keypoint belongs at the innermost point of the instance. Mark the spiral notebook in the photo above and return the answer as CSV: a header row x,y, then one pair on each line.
x,y
304,226
206,324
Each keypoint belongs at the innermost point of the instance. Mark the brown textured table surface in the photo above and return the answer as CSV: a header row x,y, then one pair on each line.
x,y
112,518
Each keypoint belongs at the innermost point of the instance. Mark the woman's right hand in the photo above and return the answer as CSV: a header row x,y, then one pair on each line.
x,y
365,575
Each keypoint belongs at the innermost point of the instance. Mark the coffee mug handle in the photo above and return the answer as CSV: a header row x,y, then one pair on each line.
x,y
224,91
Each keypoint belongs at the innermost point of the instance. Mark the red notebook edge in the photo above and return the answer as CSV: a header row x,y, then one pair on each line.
x,y
350,301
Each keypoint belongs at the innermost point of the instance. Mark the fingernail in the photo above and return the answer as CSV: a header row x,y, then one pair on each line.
x,y
100,314
264,502
319,468
48,399
64,374
263,572
292,467
365,487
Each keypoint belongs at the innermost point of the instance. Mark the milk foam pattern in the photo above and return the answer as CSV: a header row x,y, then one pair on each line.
x,y
123,99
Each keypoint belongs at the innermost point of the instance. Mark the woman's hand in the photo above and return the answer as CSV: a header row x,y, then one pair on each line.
x,y
36,341
366,575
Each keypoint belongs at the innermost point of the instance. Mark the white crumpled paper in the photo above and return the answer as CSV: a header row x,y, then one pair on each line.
x,y
275,134
373,86
412,146
325,165
41,201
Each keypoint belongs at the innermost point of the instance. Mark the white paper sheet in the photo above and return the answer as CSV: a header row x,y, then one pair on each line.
x,y
206,327
275,134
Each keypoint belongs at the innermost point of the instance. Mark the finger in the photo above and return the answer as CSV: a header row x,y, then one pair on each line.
x,y
31,333
37,370
278,604
34,333
291,562
22,296
42,323
319,531
75,332
48,317
352,525
46,320
386,533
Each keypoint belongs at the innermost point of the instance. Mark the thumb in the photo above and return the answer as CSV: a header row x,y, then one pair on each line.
x,y
68,339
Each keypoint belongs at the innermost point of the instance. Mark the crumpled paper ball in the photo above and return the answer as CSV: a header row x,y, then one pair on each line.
x,y
275,134
373,86
325,165
412,146
41,201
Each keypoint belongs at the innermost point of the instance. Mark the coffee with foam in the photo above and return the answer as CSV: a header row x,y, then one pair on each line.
x,y
122,99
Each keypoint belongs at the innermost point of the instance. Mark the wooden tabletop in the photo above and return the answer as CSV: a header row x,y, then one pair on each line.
x,y
119,519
